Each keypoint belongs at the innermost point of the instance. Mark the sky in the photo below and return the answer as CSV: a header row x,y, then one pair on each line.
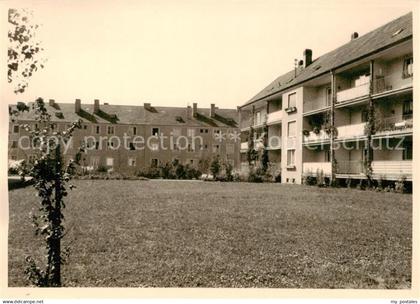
x,y
174,53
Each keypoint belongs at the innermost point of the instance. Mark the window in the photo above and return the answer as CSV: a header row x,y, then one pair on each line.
x,y
291,100
408,151
110,130
408,67
98,129
84,127
290,157
204,131
215,148
154,147
291,129
131,146
327,156
110,143
16,129
203,147
32,158
190,148
94,161
361,80
14,144
155,162
258,118
408,109
97,145
109,161
230,148
216,131
192,162
132,162
190,132
328,96
176,132
155,131
134,130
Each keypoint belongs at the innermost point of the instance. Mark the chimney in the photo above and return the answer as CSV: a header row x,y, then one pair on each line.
x,y
194,109
77,105
307,54
96,106
354,35
147,105
212,110
238,108
189,112
51,102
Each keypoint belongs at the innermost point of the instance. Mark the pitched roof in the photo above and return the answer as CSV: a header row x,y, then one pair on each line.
x,y
391,33
138,115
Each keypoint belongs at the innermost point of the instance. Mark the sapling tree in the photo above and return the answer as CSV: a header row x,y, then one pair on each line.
x,y
51,175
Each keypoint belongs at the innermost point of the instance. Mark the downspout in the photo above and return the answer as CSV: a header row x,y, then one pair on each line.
x,y
332,128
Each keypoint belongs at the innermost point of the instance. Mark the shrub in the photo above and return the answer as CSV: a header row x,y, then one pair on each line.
x,y
400,185
215,167
256,176
102,169
309,180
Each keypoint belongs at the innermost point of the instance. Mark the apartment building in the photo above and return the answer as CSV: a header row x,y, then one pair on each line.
x,y
347,114
153,135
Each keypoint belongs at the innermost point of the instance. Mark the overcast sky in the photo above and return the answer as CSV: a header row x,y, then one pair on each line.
x,y
174,53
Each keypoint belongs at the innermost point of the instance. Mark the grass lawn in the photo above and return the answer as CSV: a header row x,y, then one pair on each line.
x,y
204,234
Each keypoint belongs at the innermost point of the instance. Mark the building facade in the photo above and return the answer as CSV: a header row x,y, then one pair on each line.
x,y
347,114
129,138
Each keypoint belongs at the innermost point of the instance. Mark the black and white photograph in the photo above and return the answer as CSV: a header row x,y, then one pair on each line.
x,y
238,144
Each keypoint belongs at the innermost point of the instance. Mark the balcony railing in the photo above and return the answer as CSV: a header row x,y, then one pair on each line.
x,y
312,168
353,93
391,82
274,117
350,167
316,104
351,131
393,124
315,137
244,146
391,169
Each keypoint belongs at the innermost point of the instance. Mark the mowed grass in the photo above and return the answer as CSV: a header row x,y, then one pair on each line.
x,y
204,234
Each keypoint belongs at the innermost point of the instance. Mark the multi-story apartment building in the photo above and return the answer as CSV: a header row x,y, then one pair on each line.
x,y
348,113
153,135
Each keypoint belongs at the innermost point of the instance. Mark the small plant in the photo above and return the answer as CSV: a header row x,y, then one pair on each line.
x,y
316,130
400,185
215,166
305,133
256,176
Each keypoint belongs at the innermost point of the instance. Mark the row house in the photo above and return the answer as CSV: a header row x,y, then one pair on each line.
x,y
347,114
128,138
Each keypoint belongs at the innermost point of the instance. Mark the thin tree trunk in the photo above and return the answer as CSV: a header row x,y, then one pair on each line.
x,y
56,224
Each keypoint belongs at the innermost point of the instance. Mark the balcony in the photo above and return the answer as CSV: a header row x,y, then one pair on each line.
x,y
350,167
351,131
244,147
258,123
311,168
274,143
393,125
274,117
353,93
391,83
315,105
316,137
391,169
